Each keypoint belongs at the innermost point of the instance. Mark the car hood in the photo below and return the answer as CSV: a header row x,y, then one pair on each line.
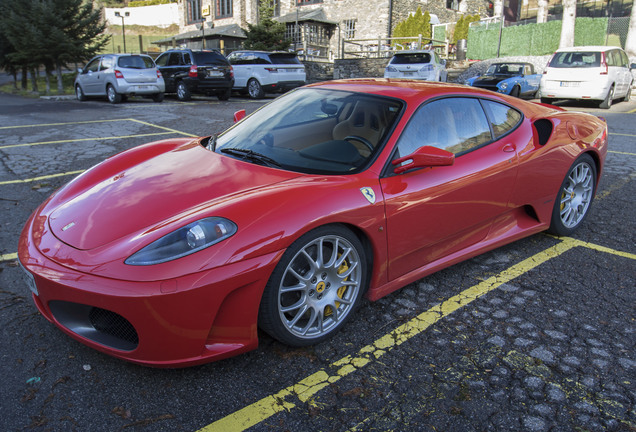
x,y
148,186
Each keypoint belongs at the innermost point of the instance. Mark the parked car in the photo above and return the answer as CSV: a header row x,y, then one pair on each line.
x,y
515,79
117,76
196,71
260,72
417,64
171,253
599,73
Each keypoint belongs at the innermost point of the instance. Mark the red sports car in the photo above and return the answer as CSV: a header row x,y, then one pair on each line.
x,y
174,252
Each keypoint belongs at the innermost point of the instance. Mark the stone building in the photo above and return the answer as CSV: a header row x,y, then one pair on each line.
x,y
317,27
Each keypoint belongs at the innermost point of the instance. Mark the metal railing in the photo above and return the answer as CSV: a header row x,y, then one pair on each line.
x,y
385,47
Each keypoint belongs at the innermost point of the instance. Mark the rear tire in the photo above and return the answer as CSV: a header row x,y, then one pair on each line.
x,y
548,101
79,93
225,95
158,97
575,196
183,94
607,103
254,89
112,95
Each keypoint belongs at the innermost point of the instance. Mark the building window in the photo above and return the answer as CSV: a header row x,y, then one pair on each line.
x,y
193,8
306,2
452,4
223,8
274,5
349,27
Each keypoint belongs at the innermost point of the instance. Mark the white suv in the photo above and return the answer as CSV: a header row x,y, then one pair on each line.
x,y
600,73
260,72
417,64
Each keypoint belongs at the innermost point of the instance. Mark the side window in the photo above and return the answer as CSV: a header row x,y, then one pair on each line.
x,y
503,119
625,59
107,63
175,59
611,58
186,59
454,124
93,65
162,60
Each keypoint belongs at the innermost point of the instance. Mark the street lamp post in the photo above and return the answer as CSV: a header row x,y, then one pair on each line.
x,y
123,28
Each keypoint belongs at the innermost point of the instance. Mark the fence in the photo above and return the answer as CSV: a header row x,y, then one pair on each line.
x,y
490,39
385,47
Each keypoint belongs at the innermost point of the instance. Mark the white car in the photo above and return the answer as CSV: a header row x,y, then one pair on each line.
x,y
417,64
600,73
260,72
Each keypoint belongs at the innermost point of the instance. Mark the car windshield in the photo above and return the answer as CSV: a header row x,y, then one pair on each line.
x,y
505,69
411,58
209,58
577,59
135,62
314,131
284,59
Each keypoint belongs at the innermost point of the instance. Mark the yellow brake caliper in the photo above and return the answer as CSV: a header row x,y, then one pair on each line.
x,y
343,268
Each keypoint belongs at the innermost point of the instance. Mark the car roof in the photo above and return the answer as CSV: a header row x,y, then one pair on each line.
x,y
588,48
404,52
264,52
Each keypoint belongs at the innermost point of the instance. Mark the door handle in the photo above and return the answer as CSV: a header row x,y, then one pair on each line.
x,y
509,148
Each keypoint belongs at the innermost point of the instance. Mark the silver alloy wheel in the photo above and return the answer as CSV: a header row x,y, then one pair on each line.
x,y
254,89
181,91
576,195
319,286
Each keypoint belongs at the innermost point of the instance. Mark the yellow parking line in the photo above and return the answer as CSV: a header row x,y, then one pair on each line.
x,y
623,153
8,257
162,127
62,124
622,134
304,390
84,139
46,177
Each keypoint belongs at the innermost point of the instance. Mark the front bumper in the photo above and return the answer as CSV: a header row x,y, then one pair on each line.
x,y
185,321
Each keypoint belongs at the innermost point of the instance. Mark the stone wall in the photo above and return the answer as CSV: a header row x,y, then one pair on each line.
x,y
359,68
318,71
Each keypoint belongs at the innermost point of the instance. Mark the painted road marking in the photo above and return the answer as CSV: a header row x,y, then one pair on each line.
x,y
623,153
83,139
62,124
46,177
304,390
8,257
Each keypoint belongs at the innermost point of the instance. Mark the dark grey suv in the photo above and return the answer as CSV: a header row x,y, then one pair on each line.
x,y
188,71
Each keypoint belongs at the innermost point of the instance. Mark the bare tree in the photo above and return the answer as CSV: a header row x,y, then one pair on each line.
x,y
630,43
567,25
542,12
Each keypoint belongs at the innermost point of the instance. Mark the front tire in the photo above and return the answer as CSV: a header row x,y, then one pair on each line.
x,y
315,288
575,196
112,95
548,101
158,97
254,89
515,92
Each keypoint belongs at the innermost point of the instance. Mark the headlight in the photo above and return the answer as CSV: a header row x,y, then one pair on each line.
x,y
184,241
503,85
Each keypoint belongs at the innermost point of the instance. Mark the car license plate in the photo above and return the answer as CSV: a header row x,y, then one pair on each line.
x,y
569,83
409,73
215,74
142,87
30,280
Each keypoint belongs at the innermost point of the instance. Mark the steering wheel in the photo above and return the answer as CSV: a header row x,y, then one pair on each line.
x,y
360,140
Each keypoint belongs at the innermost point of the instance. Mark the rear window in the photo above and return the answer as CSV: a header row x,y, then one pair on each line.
x,y
209,58
411,58
135,62
284,59
575,59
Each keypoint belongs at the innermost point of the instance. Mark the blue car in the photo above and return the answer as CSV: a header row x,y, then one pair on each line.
x,y
515,79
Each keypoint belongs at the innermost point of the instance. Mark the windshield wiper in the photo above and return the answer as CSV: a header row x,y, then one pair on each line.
x,y
251,155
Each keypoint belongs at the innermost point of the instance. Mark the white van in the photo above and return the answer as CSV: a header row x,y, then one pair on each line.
x,y
600,73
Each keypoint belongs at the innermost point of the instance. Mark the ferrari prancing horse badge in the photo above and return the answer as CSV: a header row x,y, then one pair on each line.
x,y
368,194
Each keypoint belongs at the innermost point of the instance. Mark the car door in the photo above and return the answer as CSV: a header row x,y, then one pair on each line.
x,y
434,212
241,69
88,79
170,64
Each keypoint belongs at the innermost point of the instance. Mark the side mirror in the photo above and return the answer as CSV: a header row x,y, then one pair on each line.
x,y
423,157
239,115
632,66
80,70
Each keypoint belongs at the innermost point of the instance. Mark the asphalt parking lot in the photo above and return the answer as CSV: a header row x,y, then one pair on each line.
x,y
539,335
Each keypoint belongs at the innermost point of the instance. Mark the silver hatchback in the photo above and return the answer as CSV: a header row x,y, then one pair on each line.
x,y
117,76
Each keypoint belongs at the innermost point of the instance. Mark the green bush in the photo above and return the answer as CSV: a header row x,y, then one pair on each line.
x,y
531,39
138,3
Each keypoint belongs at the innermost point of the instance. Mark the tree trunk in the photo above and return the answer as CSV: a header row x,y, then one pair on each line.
x,y
34,80
630,43
60,83
25,78
497,8
567,25
542,12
